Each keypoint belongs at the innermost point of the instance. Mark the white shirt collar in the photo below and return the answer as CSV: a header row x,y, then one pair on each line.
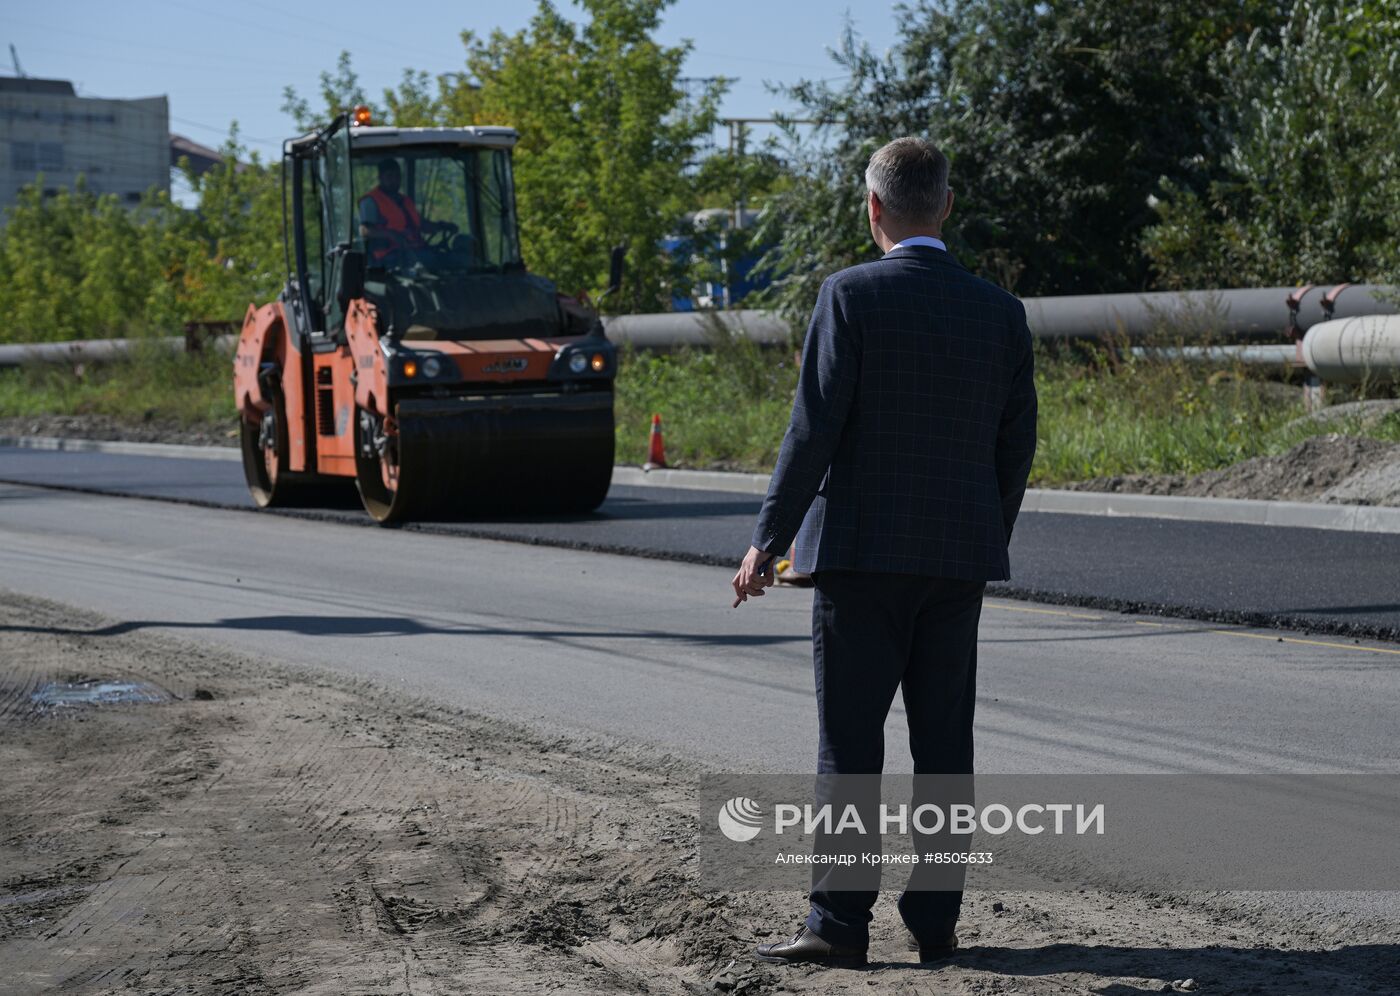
x,y
919,240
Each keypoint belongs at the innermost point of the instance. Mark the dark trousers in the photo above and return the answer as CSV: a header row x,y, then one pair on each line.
x,y
872,634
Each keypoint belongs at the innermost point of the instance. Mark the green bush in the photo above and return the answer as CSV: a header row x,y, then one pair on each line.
x,y
1307,188
77,265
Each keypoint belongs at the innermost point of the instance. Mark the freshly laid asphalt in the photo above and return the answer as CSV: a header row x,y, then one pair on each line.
x,y
1322,581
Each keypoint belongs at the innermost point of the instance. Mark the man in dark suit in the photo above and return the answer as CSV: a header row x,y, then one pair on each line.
x,y
901,475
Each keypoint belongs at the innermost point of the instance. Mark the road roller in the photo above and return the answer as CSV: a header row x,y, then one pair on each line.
x,y
411,350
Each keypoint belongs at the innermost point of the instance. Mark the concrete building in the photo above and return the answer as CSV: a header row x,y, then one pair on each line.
x,y
121,146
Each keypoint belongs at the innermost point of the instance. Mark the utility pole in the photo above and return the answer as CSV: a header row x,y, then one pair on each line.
x,y
738,141
738,148
738,134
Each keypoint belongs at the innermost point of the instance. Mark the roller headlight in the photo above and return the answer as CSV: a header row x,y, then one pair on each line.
x,y
432,366
578,363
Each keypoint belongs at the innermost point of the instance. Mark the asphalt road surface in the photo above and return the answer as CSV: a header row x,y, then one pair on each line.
x,y
1321,581
647,650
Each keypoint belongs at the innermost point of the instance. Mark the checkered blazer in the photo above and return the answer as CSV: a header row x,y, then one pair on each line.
x,y
914,426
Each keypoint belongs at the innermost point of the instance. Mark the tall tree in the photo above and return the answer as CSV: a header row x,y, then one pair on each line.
x,y
1060,118
606,139
230,252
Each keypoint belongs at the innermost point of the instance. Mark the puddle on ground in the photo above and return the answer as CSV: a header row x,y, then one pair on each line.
x,y
60,694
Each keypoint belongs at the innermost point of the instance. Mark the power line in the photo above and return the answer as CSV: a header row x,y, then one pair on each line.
x,y
141,43
756,59
166,59
378,41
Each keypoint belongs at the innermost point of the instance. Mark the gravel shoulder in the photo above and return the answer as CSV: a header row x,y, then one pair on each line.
x,y
256,828
106,427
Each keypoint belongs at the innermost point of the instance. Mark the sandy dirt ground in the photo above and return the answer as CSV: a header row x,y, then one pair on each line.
x,y
236,826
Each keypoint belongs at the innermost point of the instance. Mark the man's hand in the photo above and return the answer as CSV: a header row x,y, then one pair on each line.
x,y
749,581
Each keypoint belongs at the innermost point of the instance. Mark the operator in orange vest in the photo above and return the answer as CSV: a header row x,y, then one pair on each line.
x,y
391,220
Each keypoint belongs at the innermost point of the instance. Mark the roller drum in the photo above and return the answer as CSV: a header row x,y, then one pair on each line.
x,y
465,457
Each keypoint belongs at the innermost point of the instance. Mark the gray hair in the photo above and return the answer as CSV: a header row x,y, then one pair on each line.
x,y
910,176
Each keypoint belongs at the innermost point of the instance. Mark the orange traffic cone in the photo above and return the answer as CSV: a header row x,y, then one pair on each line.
x,y
656,453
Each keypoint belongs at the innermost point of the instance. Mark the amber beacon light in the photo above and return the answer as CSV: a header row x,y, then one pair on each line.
x,y
361,115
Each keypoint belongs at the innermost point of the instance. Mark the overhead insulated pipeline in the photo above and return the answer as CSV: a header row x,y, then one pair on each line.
x,y
1268,314
1353,349
650,332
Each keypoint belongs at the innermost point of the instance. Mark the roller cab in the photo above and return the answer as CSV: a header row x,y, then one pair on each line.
x,y
411,352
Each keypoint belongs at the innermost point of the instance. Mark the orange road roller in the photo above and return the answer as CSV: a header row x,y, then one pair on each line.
x,y
411,350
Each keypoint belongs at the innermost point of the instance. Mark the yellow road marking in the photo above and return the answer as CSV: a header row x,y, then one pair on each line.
x,y
1045,612
1221,632
1311,643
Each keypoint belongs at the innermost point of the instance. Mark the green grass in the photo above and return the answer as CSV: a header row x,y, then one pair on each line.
x,y
152,383
1154,416
727,407
721,409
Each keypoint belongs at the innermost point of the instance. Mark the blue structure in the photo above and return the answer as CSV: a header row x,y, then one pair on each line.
x,y
709,237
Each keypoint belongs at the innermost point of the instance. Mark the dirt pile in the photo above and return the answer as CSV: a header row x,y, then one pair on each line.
x,y
1339,469
224,825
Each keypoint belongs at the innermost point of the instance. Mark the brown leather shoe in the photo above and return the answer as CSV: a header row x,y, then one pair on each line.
x,y
806,948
